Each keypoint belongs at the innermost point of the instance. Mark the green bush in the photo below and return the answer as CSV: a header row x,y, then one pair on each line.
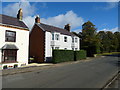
x,y
63,56
5,67
78,55
68,55
15,65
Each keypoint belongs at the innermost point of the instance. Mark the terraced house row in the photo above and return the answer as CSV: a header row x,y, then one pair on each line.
x,y
17,44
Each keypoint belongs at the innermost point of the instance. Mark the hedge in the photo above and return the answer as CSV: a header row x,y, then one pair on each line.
x,y
63,56
68,55
78,55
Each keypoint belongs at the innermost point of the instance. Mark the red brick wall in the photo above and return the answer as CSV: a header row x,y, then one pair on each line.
x,y
37,44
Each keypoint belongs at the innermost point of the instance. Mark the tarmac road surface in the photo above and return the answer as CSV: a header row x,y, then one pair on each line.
x,y
88,74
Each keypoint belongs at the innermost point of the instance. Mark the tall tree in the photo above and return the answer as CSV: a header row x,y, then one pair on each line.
x,y
108,41
117,35
103,41
90,42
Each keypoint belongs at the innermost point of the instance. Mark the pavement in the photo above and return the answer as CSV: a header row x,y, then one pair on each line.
x,y
91,73
39,66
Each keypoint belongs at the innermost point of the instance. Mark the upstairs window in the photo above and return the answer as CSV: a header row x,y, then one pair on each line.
x,y
76,40
65,39
52,36
57,36
72,39
10,36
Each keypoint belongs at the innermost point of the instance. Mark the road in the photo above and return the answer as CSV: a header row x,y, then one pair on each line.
x,y
87,74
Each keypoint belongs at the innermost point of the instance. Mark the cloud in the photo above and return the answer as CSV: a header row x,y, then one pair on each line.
x,y
62,19
111,5
108,6
112,30
29,21
12,9
29,12
59,20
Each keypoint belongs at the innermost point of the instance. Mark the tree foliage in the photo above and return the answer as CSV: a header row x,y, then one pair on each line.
x,y
90,41
98,42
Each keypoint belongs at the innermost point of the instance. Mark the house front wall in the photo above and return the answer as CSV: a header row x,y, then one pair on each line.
x,y
54,44
37,44
22,42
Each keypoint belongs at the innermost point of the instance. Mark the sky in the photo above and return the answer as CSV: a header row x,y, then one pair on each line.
x,y
104,15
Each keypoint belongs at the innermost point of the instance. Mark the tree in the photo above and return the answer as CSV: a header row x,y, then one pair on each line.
x,y
103,41
90,41
108,41
117,36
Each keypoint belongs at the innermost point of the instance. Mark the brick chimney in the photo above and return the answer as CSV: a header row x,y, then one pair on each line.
x,y
37,19
67,27
20,14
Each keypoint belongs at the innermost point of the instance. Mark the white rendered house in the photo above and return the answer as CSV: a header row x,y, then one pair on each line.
x,y
44,38
14,41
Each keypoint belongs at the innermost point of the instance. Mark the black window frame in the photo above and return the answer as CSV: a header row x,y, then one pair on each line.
x,y
72,39
76,40
7,54
53,36
57,37
65,39
7,37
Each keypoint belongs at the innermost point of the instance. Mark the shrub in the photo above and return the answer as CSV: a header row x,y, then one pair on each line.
x,y
68,55
63,56
78,55
5,67
16,65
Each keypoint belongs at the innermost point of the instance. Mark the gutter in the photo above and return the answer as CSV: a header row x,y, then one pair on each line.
x,y
13,26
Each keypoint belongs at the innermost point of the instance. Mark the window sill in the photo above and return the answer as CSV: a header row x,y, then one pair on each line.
x,y
9,62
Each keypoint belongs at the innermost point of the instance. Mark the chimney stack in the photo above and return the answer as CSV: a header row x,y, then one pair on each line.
x,y
67,27
37,19
20,14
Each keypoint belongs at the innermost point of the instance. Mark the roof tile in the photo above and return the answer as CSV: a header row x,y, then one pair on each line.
x,y
8,20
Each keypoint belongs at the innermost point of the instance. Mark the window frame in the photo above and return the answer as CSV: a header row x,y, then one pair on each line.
x,y
7,36
76,40
53,36
65,48
9,53
56,47
65,39
72,39
57,37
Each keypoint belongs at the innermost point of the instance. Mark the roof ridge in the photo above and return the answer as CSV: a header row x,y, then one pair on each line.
x,y
54,26
9,16
56,29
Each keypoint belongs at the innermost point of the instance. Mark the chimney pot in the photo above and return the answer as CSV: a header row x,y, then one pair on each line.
x,y
37,19
20,14
67,27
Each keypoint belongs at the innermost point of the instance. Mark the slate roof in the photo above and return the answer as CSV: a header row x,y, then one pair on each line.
x,y
11,21
9,46
50,28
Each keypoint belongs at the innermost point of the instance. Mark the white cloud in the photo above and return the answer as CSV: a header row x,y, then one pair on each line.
x,y
62,19
29,12
59,20
112,30
29,21
108,6
111,5
12,9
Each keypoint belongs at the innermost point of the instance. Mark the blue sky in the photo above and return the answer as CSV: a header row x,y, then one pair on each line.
x,y
103,14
